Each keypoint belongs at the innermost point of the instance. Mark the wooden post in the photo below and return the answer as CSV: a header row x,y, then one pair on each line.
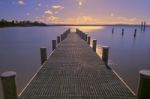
x,y
122,32
89,40
9,85
53,44
94,45
61,37
144,26
86,37
135,33
144,86
141,26
112,30
43,52
58,39
105,54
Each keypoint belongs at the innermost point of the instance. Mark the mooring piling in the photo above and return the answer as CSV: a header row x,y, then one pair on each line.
x,y
9,85
112,30
135,31
144,85
122,32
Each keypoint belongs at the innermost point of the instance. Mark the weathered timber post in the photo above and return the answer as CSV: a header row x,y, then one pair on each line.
x,y
94,45
53,44
89,40
144,26
122,32
58,39
144,86
105,54
61,36
86,37
112,30
141,26
9,85
43,52
135,33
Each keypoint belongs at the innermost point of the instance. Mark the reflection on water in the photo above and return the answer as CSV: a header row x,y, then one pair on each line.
x,y
19,50
87,28
128,54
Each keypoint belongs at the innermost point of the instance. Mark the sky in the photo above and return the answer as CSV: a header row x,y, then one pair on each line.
x,y
77,11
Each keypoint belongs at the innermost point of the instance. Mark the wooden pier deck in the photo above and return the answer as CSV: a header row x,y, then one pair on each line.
x,y
75,71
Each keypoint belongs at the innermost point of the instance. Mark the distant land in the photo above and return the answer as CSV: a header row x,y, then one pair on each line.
x,y
94,25
15,23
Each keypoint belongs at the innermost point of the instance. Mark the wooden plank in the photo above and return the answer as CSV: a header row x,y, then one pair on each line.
x,y
74,71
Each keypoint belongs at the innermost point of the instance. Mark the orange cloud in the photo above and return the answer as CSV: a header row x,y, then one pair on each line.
x,y
52,18
90,20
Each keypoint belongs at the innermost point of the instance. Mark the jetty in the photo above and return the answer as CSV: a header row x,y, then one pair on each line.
x,y
74,71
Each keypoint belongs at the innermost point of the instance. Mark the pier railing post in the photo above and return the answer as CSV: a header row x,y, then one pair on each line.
x,y
89,40
144,86
86,37
53,44
105,54
58,39
61,36
94,45
43,52
9,85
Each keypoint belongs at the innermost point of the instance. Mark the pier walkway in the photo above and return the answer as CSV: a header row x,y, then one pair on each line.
x,y
75,71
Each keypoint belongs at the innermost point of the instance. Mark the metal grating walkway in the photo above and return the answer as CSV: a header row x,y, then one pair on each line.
x,y
74,71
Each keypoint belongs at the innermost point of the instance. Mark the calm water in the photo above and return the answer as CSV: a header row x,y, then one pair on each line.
x,y
19,50
128,55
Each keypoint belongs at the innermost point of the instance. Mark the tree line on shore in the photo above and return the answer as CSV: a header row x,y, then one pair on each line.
x,y
14,23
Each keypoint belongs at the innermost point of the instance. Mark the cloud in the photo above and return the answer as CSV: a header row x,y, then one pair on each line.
x,y
58,7
28,14
21,2
39,4
49,12
52,18
112,14
80,2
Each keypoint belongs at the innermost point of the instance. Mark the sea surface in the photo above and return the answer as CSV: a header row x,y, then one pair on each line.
x,y
20,50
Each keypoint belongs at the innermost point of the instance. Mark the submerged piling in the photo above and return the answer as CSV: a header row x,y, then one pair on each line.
x,y
144,26
9,85
122,32
135,33
112,30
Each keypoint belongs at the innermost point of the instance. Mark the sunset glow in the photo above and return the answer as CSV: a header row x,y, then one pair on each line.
x,y
77,11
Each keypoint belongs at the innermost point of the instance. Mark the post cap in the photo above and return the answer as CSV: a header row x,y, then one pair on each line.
x,y
8,74
43,48
145,73
105,47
